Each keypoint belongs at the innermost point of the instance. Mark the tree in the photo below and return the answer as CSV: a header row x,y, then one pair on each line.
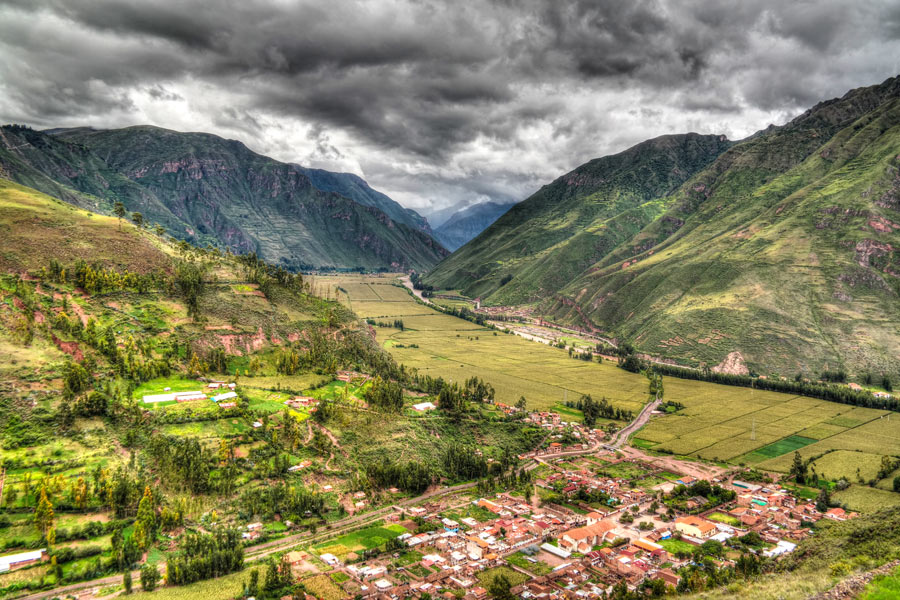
x,y
146,519
43,514
520,403
159,229
897,483
499,588
823,501
137,218
149,577
253,586
119,211
126,580
798,469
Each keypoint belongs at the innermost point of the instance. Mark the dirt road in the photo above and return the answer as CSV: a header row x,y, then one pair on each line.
x,y
418,293
623,434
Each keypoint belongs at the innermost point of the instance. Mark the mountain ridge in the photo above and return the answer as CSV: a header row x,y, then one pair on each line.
x,y
466,223
784,248
206,189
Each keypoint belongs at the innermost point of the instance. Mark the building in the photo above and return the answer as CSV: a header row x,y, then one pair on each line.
x,y
424,406
695,527
174,396
14,561
582,539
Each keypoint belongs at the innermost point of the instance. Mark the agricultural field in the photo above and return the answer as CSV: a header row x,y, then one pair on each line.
x,y
719,423
361,539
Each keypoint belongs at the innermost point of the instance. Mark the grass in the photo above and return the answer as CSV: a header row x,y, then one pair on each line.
x,y
865,499
674,546
362,539
884,587
723,518
788,444
520,560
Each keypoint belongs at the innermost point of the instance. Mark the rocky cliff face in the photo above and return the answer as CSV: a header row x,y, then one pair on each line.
x,y
206,189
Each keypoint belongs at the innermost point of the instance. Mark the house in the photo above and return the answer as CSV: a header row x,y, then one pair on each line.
x,y
556,551
329,559
14,561
695,527
225,405
295,558
668,576
424,406
177,396
225,396
586,537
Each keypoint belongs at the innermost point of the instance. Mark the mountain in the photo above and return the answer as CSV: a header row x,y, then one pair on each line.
x,y
206,189
468,222
547,240
356,188
782,255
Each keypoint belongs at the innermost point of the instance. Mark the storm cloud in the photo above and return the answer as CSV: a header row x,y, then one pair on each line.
x,y
437,103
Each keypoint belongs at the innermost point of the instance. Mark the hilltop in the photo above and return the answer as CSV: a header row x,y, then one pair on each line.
x,y
209,190
780,252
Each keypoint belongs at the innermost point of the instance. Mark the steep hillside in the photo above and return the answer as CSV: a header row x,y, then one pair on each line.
x,y
206,189
784,249
544,242
467,223
355,188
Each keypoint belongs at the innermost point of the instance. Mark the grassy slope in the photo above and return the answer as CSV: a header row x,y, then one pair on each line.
x,y
568,225
36,228
791,264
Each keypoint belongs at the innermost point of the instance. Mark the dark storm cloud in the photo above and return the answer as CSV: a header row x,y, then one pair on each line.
x,y
438,101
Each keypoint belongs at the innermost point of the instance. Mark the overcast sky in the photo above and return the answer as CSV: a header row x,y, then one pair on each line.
x,y
437,103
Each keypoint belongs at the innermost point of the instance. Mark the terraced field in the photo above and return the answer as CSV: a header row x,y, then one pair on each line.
x,y
719,423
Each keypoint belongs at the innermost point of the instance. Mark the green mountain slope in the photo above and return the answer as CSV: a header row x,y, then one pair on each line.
x,y
356,188
783,249
787,251
546,241
206,189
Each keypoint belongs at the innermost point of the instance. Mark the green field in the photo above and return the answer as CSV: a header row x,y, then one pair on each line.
x,y
362,539
674,546
723,518
721,423
775,449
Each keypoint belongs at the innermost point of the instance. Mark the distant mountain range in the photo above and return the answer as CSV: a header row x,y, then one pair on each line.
x,y
466,223
206,189
779,253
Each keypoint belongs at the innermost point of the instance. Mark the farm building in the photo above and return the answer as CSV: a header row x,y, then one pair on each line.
x,y
14,561
176,396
